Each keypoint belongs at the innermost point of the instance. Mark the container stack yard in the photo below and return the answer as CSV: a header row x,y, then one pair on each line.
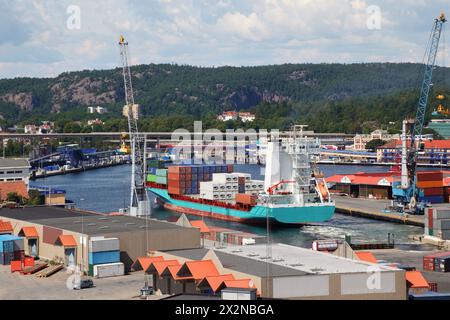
x,y
104,257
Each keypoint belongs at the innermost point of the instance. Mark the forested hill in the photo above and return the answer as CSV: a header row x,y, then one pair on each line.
x,y
166,89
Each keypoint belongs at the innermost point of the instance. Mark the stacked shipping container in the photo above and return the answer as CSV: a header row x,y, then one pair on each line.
x,y
431,186
104,257
185,180
437,223
11,248
226,187
437,262
232,237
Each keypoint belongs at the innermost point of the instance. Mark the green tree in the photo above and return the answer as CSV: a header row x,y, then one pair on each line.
x,y
372,145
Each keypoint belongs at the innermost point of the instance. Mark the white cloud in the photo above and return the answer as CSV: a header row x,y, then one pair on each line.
x,y
209,32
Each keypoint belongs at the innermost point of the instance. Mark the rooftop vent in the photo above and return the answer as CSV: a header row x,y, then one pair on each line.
x,y
316,269
130,223
236,250
91,224
278,259
296,265
104,227
253,254
102,218
77,221
265,258
115,221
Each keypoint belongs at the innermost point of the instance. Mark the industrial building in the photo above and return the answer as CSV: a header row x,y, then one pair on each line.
x,y
433,152
292,273
63,235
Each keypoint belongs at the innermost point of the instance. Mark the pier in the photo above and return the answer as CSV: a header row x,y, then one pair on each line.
x,y
374,209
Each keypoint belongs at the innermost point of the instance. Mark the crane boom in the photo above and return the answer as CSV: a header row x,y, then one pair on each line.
x,y
139,204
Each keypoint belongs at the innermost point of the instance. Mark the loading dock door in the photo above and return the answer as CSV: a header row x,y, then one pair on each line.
x,y
70,257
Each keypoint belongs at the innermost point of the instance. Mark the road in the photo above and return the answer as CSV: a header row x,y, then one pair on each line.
x,y
15,286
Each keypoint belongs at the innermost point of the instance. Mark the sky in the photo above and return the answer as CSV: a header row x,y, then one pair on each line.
x,y
43,38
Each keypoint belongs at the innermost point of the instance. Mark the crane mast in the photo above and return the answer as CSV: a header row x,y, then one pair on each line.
x,y
419,120
139,203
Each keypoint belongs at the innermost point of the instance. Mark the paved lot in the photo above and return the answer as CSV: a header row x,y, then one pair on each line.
x,y
28,287
414,259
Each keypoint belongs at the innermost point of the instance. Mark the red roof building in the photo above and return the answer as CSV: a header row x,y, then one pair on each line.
x,y
5,227
18,187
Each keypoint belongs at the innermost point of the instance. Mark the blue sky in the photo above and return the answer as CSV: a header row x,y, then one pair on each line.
x,y
37,42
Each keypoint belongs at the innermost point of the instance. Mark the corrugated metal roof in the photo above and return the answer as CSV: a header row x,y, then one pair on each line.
x,y
29,232
14,163
67,240
93,224
142,263
416,279
214,282
201,225
366,256
5,226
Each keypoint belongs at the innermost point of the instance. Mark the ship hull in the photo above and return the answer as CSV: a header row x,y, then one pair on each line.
x,y
289,215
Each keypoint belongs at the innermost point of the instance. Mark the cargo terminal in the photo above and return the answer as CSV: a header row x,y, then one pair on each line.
x,y
52,232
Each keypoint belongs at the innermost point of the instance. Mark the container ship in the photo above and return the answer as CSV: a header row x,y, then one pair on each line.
x,y
291,192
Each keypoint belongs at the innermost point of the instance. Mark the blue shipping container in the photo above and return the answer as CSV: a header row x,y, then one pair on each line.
x,y
432,199
10,243
104,257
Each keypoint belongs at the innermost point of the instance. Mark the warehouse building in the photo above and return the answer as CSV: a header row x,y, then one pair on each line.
x,y
293,273
63,235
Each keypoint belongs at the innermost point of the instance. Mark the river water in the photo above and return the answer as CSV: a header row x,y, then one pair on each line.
x,y
108,189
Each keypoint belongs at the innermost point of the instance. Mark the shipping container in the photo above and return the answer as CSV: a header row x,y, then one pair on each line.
x,y
104,257
245,199
442,264
430,184
104,244
429,176
433,192
429,260
432,199
108,270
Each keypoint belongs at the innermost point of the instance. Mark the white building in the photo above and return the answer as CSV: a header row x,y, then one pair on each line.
x,y
246,116
233,115
15,170
360,140
97,109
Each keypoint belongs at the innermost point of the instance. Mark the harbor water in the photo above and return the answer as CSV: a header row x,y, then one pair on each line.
x,y
108,189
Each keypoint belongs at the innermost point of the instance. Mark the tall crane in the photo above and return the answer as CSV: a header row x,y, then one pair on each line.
x,y
408,192
139,202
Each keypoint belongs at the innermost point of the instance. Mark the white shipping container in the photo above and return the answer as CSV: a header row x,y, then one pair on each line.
x,y
109,270
105,244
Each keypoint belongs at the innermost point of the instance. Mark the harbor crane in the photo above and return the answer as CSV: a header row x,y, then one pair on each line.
x,y
139,202
406,192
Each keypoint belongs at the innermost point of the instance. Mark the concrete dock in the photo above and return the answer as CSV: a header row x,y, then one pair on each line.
x,y
373,209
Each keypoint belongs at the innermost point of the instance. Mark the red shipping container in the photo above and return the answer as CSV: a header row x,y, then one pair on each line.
x,y
245,199
173,176
230,168
28,262
429,176
428,261
174,169
16,265
430,184
188,177
433,191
